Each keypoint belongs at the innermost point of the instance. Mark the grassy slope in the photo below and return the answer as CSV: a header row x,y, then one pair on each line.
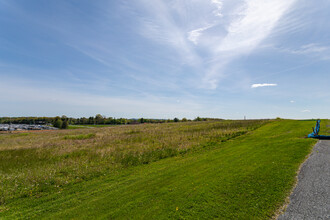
x,y
248,177
34,164
325,127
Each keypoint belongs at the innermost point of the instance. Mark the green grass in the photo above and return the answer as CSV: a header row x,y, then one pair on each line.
x,y
325,127
226,175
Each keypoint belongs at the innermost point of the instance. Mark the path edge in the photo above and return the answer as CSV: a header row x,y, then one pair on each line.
x,y
287,201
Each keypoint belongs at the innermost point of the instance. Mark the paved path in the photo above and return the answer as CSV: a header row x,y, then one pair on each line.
x,y
311,197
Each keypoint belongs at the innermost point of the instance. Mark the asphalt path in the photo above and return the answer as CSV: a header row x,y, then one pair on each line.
x,y
311,197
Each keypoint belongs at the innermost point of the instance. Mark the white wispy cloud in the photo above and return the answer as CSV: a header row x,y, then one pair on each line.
x,y
254,22
159,25
312,49
195,34
218,10
262,85
306,111
292,101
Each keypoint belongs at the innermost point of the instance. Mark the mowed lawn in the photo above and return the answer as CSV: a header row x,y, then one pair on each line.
x,y
245,174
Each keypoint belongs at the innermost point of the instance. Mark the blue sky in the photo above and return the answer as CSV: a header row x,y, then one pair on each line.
x,y
165,59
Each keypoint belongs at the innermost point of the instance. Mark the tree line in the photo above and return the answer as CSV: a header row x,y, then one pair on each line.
x,y
63,122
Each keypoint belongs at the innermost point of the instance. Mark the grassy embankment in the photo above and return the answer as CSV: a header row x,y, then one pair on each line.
x,y
209,174
325,126
34,163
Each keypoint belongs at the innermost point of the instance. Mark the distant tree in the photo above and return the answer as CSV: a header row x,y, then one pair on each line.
x,y
65,124
198,119
99,119
141,120
176,120
122,121
91,120
58,123
184,120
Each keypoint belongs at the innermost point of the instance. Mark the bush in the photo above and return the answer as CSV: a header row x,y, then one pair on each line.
x,y
58,123
65,125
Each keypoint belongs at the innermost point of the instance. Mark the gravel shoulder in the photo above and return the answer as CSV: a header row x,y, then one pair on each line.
x,y
311,197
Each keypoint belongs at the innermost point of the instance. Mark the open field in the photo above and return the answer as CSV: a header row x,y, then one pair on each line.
x,y
89,126
227,169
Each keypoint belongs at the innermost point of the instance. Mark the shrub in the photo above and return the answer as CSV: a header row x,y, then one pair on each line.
x,y
58,123
65,125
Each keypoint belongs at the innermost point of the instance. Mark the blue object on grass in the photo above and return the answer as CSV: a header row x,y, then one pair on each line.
x,y
316,131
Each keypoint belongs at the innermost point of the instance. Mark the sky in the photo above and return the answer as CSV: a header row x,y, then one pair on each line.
x,y
165,58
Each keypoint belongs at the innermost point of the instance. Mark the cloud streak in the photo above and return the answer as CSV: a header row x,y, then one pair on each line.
x,y
159,25
194,35
254,23
315,50
253,86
